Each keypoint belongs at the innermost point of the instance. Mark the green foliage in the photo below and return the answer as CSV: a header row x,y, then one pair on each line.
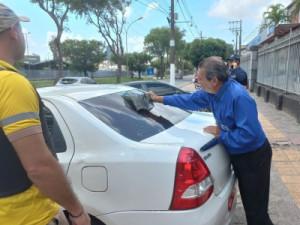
x,y
53,49
275,14
108,17
58,11
19,64
200,49
84,55
137,61
158,40
296,8
157,43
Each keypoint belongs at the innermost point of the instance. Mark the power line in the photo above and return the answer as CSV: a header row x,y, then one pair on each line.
x,y
156,9
190,16
185,19
251,33
164,3
158,5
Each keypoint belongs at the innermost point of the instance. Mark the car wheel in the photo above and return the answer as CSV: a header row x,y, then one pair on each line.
x,y
197,86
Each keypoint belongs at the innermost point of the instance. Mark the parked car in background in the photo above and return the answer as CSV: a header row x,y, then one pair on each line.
x,y
161,89
132,167
157,87
75,81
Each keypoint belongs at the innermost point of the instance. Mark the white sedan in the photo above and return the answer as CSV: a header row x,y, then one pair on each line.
x,y
138,168
75,81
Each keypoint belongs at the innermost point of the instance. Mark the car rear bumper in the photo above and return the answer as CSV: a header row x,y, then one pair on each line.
x,y
213,212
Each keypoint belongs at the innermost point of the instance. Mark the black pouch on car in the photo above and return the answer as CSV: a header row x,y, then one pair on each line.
x,y
138,100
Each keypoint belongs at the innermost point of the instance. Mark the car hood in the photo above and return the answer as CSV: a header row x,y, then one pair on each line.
x,y
189,133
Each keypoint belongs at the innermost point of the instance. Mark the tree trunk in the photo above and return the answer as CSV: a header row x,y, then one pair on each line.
x,y
85,73
60,60
119,70
131,71
161,67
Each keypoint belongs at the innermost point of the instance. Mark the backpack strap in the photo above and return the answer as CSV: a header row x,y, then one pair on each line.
x,y
15,180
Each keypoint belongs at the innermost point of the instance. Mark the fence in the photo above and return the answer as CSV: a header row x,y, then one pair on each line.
x,y
245,63
279,63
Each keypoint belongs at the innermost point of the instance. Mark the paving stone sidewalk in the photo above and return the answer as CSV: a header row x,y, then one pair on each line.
x,y
283,132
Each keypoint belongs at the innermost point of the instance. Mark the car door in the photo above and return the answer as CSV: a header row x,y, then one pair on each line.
x,y
61,136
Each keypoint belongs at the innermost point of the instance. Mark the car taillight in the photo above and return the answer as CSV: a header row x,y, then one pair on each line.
x,y
231,199
193,184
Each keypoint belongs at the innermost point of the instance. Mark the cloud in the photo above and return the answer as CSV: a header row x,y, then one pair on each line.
x,y
243,9
136,43
128,11
152,6
65,36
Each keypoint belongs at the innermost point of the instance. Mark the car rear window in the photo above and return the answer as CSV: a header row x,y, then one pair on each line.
x,y
113,111
68,81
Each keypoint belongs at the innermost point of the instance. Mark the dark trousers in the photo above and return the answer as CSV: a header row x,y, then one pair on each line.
x,y
253,173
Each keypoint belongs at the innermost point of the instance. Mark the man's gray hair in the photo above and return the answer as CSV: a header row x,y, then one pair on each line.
x,y
214,67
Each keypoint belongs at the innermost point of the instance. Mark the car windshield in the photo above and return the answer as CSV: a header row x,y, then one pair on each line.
x,y
116,113
68,81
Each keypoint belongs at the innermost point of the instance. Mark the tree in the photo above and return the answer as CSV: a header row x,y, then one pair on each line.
x,y
58,11
108,17
138,62
296,8
157,43
275,14
200,49
84,55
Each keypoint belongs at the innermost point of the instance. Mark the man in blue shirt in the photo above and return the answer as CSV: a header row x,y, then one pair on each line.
x,y
238,129
236,72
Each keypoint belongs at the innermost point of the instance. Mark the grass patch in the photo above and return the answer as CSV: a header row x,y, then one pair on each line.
x,y
42,83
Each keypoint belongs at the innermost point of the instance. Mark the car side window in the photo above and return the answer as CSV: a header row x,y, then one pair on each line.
x,y
91,81
83,81
160,89
55,132
139,86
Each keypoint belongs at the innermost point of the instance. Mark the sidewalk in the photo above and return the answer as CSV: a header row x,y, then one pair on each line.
x,y
283,133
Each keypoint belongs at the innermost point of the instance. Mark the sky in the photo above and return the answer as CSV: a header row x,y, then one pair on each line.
x,y
199,18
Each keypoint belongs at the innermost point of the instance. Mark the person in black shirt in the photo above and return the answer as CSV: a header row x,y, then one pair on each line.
x,y
236,72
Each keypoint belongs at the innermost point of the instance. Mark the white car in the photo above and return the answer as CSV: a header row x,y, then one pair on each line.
x,y
138,168
75,81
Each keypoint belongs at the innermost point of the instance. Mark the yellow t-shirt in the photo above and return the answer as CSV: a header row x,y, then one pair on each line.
x,y
19,117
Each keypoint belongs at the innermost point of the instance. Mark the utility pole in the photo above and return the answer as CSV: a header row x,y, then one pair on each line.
x,y
28,58
236,27
172,47
240,37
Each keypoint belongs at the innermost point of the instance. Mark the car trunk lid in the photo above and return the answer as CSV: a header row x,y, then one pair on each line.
x,y
189,133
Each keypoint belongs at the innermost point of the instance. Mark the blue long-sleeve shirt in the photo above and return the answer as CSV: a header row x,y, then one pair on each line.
x,y
235,112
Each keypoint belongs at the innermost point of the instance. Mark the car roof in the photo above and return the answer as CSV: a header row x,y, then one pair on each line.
x,y
144,81
76,77
79,93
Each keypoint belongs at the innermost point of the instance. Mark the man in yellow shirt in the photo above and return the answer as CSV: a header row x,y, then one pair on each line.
x,y
32,183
